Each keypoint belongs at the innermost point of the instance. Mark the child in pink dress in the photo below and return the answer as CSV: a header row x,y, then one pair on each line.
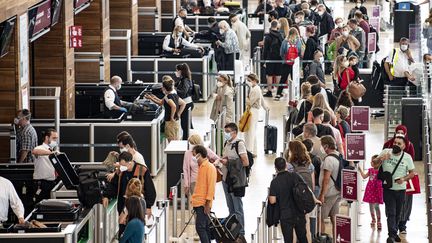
x,y
373,193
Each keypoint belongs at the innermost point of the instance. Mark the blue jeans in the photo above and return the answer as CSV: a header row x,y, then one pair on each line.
x,y
202,225
235,206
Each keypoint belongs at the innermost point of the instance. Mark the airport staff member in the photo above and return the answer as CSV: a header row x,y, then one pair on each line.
x,y
9,197
113,105
44,173
174,43
179,20
398,65
26,137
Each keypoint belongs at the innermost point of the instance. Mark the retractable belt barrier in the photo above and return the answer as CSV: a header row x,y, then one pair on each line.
x,y
263,233
174,197
158,232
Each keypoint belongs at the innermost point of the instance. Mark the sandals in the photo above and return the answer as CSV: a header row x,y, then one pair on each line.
x,y
373,223
379,226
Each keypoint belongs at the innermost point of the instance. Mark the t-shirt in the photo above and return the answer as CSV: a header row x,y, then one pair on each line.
x,y
43,168
281,187
139,159
331,164
403,169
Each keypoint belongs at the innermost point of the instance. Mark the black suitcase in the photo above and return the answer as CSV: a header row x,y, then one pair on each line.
x,y
224,230
65,170
270,136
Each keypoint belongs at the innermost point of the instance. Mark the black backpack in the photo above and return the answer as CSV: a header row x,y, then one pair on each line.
x,y
343,164
275,46
332,99
377,76
195,92
249,155
303,196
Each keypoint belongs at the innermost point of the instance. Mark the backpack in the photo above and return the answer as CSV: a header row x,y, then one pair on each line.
x,y
195,91
332,99
291,54
249,155
343,164
275,45
376,77
373,30
303,196
384,76
304,172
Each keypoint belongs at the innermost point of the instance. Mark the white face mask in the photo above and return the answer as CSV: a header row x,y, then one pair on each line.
x,y
297,20
221,31
322,150
227,136
404,47
194,159
345,33
179,34
346,64
219,84
124,149
16,121
321,59
119,87
340,25
123,168
358,5
53,144
177,74
320,13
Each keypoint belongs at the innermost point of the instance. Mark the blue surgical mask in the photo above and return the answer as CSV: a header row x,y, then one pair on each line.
x,y
227,136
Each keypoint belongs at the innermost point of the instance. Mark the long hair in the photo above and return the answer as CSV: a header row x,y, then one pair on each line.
x,y
134,188
184,70
284,25
319,101
298,153
134,208
305,90
344,99
293,35
338,65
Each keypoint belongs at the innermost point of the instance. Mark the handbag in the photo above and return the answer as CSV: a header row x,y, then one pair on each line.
x,y
387,177
356,89
413,185
245,120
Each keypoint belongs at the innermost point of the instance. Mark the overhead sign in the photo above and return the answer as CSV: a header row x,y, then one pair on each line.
x,y
360,118
75,37
39,18
343,229
355,146
372,41
349,185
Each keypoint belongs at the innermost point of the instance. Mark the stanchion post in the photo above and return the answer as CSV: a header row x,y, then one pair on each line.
x,y
263,224
213,137
174,203
182,201
157,229
258,235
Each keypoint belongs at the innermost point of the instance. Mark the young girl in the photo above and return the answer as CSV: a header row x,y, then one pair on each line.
x,y
373,193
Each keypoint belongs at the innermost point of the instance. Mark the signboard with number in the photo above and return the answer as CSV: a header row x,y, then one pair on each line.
x,y
343,229
372,42
75,37
360,118
355,146
376,11
349,185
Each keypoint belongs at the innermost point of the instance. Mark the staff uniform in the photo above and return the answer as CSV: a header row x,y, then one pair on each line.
x,y
401,64
8,196
44,174
111,98
169,44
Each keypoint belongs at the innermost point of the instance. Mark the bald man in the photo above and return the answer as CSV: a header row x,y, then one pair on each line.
x,y
113,105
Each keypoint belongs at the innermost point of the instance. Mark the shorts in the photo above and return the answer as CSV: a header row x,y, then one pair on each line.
x,y
273,69
331,206
172,130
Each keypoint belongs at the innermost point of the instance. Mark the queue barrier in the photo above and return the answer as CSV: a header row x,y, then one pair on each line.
x,y
158,232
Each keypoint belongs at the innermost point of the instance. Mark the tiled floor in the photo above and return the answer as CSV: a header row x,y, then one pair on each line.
x,y
263,168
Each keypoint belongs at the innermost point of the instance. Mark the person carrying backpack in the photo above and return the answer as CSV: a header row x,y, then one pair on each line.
x,y
272,44
299,161
328,179
291,48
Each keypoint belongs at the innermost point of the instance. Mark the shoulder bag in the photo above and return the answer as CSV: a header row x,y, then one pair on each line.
x,y
387,177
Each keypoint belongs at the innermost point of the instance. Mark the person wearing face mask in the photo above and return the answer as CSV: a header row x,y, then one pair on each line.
x,y
255,102
243,36
230,45
203,195
190,165
179,20
114,107
360,35
347,41
353,63
234,152
324,21
175,42
311,45
401,130
128,169
343,73
315,68
398,65
401,166
337,31
224,98
185,89
282,10
26,137
358,7
44,172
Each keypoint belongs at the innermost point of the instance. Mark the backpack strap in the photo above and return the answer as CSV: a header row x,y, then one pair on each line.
x,y
340,165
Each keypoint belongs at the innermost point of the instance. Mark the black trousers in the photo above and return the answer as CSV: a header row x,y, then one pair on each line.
x,y
393,201
184,120
298,224
43,190
286,70
399,82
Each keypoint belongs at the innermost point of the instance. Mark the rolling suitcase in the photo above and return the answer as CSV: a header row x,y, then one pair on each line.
x,y
225,230
320,237
270,136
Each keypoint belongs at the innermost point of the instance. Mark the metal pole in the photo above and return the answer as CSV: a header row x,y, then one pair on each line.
x,y
386,111
57,117
128,56
174,202
258,62
258,229
182,201
213,137
238,103
157,229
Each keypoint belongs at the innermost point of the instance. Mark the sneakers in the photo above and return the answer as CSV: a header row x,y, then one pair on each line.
x,y
277,97
268,94
397,239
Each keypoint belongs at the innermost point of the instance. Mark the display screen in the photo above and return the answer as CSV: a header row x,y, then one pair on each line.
x,y
6,32
39,18
56,9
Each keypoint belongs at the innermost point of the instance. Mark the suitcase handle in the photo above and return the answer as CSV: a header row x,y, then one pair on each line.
x,y
267,117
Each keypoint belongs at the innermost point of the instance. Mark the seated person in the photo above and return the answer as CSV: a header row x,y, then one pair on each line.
x,y
174,43
9,197
114,107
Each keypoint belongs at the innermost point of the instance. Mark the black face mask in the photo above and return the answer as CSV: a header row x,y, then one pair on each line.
x,y
183,18
396,149
269,20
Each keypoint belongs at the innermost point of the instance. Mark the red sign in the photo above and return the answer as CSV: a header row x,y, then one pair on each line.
x,y
360,118
372,42
343,229
355,146
75,37
349,185
39,17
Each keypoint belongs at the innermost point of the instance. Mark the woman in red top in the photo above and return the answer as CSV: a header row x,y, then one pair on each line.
x,y
343,73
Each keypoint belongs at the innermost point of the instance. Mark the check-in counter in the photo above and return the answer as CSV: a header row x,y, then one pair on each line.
x,y
152,68
91,140
196,22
